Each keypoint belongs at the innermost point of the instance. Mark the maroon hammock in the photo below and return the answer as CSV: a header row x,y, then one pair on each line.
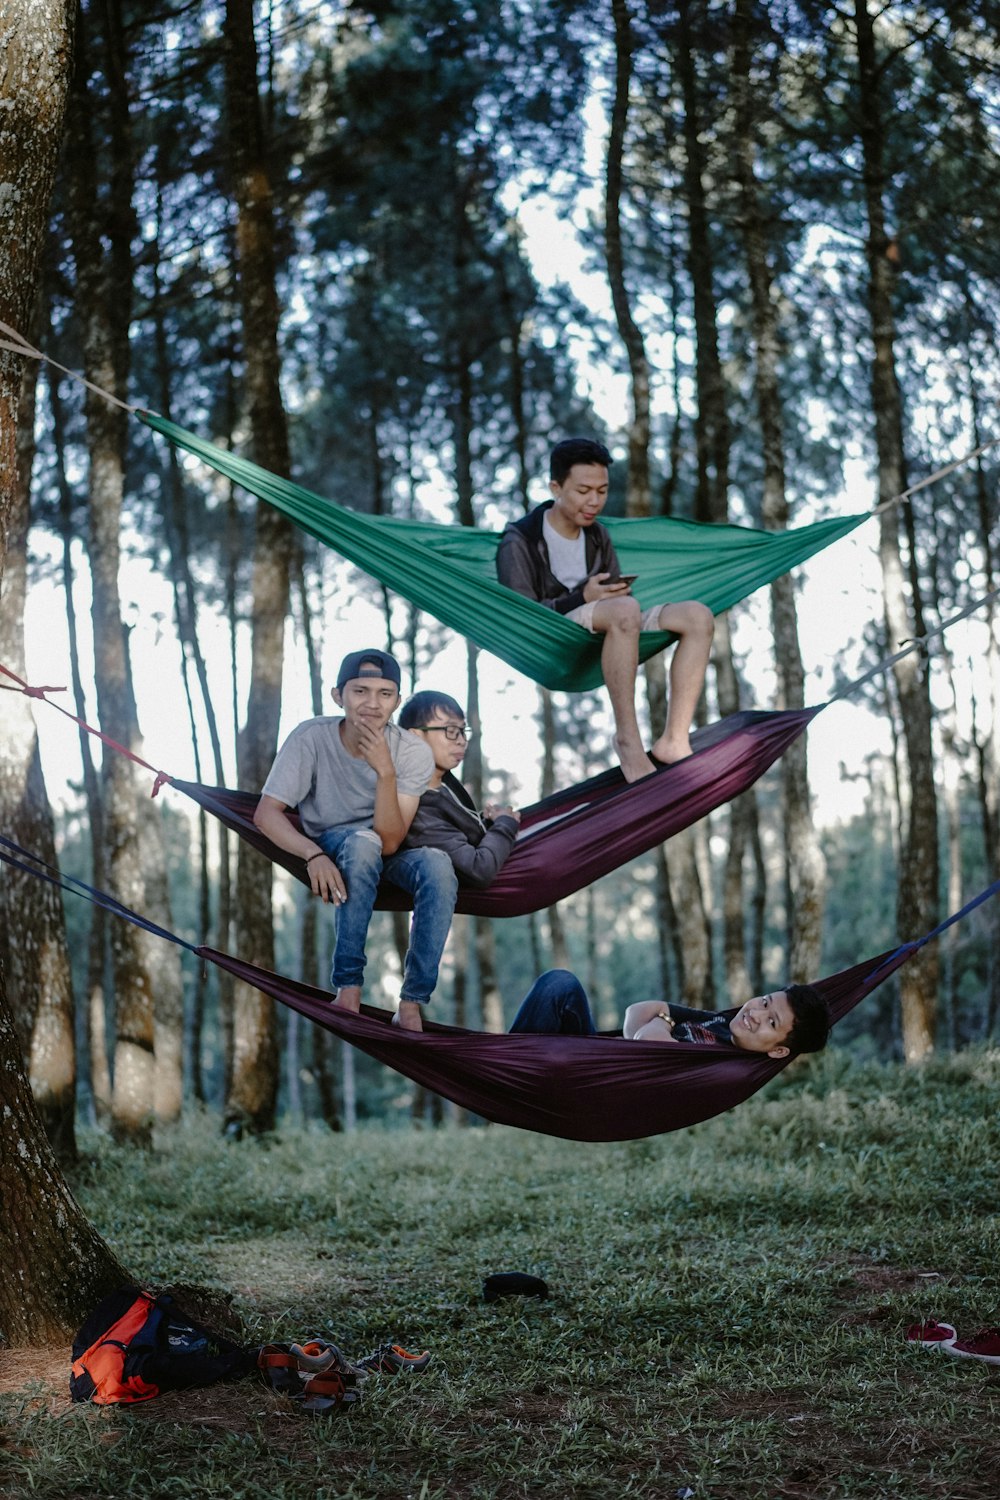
x,y
580,1088
571,839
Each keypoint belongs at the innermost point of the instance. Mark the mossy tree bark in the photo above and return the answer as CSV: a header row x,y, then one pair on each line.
x,y
55,1264
253,1088
917,898
805,867
103,286
39,980
638,493
713,440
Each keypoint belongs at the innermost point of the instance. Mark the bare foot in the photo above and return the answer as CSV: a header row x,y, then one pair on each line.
x,y
349,998
407,1016
667,752
633,760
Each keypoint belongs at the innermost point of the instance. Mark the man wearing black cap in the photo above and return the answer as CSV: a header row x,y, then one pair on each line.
x,y
355,782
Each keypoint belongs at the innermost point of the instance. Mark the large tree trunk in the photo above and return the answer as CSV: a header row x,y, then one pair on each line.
x,y
638,496
917,901
557,933
677,865
186,616
713,439
103,284
491,1016
168,1014
35,61
254,1083
986,730
39,980
55,1265
805,867
94,1031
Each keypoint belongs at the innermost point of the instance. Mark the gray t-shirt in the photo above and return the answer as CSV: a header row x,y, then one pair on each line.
x,y
332,789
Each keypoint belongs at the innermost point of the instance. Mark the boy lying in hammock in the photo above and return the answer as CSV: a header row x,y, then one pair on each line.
x,y
560,555
782,1024
446,817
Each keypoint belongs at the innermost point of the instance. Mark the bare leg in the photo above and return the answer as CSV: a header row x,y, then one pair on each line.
x,y
694,624
618,621
408,1016
349,997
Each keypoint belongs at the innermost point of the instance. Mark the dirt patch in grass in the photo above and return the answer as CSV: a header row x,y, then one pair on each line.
x,y
916,1284
41,1377
897,1279
43,1370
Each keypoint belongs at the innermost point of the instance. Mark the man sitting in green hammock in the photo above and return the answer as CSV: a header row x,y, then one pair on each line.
x,y
477,843
781,1024
356,782
561,556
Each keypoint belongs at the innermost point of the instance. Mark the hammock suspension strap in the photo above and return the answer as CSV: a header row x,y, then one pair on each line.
x,y
40,693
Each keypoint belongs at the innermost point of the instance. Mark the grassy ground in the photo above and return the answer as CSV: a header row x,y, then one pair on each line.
x,y
727,1311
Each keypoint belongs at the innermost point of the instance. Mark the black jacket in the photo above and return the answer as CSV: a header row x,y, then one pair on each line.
x,y
447,819
523,561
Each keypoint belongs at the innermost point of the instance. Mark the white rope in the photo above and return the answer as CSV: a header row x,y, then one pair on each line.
x,y
17,344
922,484
914,645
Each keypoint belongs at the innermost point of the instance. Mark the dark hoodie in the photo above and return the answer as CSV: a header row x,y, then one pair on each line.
x,y
447,819
523,561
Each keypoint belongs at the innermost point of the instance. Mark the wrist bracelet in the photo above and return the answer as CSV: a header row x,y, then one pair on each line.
x,y
318,853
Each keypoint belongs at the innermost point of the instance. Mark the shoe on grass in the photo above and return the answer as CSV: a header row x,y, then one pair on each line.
x,y
393,1359
983,1345
932,1334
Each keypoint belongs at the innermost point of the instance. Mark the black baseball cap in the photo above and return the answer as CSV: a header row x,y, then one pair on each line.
x,y
368,664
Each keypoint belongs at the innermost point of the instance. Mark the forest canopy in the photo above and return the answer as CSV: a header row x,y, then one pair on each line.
x,y
392,251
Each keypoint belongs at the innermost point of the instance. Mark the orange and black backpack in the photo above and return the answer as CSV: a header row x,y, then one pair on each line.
x,y
134,1345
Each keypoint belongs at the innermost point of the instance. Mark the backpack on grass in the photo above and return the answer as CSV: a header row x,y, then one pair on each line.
x,y
134,1345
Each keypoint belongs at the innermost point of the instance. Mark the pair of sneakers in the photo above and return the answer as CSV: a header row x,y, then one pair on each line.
x,y
934,1335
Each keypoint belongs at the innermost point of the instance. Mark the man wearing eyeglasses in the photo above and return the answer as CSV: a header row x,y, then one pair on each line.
x,y
356,782
446,817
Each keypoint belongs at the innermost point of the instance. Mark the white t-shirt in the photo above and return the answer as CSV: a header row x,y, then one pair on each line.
x,y
567,560
332,789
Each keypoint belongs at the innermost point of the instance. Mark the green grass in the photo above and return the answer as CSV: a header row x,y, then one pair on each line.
x,y
727,1312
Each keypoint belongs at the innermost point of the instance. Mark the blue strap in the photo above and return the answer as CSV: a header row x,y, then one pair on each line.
x,y
9,852
911,947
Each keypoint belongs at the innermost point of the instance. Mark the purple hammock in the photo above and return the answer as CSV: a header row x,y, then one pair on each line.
x,y
580,1088
569,840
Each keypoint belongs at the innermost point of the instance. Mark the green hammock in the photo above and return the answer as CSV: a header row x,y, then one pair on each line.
x,y
449,570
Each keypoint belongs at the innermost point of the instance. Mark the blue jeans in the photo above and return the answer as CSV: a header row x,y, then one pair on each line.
x,y
429,876
556,1004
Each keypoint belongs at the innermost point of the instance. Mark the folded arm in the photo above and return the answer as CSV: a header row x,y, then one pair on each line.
x,y
648,1021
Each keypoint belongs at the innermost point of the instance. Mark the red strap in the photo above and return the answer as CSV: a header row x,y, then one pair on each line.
x,y
40,692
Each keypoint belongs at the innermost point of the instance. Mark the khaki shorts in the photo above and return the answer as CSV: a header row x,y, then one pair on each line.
x,y
584,616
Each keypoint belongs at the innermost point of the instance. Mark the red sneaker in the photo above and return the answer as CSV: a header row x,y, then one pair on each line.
x,y
932,1334
983,1345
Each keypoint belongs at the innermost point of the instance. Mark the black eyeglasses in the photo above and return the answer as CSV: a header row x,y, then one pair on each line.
x,y
454,732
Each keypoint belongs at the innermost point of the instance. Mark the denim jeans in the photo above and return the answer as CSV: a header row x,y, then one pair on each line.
x,y
557,1004
428,874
